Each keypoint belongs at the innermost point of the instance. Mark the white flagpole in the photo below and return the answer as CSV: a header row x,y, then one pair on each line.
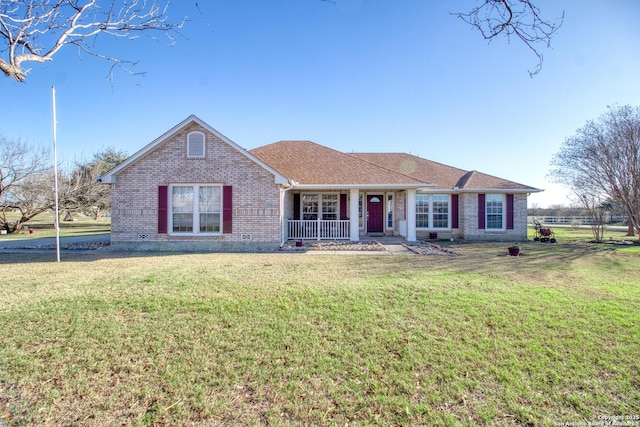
x,y
55,175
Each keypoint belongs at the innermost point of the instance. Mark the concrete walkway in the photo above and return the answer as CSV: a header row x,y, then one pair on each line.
x,y
397,249
393,245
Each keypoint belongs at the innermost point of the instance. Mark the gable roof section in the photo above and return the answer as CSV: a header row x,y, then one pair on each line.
x,y
443,176
313,165
108,178
475,180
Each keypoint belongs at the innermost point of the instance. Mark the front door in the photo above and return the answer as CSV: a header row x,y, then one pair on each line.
x,y
375,214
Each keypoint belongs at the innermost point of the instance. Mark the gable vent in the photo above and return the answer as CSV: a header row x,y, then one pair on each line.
x,y
195,145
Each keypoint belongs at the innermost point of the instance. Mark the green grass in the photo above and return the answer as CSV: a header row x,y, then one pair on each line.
x,y
552,336
42,226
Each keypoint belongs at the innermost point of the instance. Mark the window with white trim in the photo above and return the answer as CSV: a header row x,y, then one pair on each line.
x,y
422,211
494,208
320,206
440,203
195,145
330,207
433,211
310,206
390,210
196,209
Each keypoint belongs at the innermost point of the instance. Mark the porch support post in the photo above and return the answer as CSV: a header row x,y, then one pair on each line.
x,y
411,215
354,229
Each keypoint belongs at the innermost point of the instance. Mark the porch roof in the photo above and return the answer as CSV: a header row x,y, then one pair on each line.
x,y
311,164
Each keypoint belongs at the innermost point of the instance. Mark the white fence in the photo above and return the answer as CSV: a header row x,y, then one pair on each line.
x,y
570,220
318,230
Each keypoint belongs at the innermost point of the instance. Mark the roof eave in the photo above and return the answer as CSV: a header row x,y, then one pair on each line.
x,y
497,190
364,186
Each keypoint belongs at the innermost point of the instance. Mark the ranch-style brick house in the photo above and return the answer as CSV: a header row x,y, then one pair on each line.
x,y
194,189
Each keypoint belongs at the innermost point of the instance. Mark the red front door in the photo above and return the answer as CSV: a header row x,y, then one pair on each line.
x,y
375,214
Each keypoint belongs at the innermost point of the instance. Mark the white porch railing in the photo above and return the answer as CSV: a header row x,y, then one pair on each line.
x,y
318,230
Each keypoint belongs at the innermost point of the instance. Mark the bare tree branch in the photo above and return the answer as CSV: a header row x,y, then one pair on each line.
x,y
513,18
35,30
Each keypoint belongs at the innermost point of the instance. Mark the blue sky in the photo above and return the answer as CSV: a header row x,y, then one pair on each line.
x,y
357,75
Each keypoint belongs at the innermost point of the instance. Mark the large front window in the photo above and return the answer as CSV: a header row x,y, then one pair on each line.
x,y
495,211
432,211
196,208
320,206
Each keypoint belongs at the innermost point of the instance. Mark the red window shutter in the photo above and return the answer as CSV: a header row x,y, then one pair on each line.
x,y
509,211
454,211
296,206
481,212
163,209
227,209
343,206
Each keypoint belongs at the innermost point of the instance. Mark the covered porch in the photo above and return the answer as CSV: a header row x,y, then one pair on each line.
x,y
350,214
319,230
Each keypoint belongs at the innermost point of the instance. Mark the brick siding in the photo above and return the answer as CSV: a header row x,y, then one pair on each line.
x,y
469,220
256,198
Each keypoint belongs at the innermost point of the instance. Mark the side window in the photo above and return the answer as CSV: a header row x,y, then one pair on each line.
x,y
390,211
195,145
495,211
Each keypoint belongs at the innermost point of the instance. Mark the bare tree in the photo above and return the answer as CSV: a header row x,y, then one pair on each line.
x,y
593,200
604,156
35,195
35,30
90,196
27,184
514,18
19,162
29,198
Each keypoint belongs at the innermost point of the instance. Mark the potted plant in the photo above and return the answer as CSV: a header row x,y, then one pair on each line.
x,y
514,250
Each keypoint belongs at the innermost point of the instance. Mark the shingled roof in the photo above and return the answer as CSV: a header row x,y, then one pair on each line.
x,y
444,176
309,163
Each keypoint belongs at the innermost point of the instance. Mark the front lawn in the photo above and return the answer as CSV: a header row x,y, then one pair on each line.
x,y
43,226
552,336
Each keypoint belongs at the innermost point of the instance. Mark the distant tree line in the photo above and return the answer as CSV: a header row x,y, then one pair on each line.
x,y
27,184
